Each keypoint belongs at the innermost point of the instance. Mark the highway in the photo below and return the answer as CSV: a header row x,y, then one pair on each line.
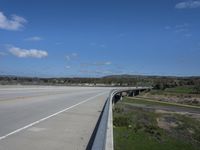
x,y
49,117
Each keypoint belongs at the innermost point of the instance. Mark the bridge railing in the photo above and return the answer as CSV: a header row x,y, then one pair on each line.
x,y
103,138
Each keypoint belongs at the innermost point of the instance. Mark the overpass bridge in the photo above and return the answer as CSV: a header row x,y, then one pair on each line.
x,y
49,117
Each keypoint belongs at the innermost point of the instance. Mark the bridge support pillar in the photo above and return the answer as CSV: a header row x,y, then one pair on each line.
x,y
117,97
121,97
137,92
131,93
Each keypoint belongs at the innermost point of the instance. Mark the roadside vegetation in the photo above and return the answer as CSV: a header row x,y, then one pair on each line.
x,y
166,118
188,95
140,124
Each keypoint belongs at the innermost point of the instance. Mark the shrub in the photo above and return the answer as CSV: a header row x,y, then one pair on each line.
x,y
121,121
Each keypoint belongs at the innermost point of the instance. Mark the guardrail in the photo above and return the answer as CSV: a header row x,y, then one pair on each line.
x,y
102,138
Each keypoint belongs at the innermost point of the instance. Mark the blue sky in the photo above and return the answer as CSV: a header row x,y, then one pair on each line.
x,y
67,38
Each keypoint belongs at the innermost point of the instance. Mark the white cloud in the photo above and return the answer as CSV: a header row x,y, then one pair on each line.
x,y
96,64
71,56
108,63
182,28
24,53
67,57
14,23
93,44
97,72
74,54
184,25
34,38
188,4
102,63
67,67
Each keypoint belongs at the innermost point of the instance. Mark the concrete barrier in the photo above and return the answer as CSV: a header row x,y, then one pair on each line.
x,y
103,137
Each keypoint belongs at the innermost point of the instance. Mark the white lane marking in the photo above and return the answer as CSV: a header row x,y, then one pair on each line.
x,y
43,119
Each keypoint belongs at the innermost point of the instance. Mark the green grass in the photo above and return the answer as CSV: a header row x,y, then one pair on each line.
x,y
143,101
147,101
127,139
177,91
137,129
181,89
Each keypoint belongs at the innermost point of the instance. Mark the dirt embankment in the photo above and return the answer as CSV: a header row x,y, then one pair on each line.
x,y
176,98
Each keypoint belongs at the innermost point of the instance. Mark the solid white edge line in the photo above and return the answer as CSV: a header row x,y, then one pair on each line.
x,y
43,119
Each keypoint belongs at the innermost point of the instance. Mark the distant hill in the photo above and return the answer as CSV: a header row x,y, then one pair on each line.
x,y
159,82
148,76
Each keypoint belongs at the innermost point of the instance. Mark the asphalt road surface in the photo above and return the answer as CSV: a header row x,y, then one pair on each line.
x,y
49,118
